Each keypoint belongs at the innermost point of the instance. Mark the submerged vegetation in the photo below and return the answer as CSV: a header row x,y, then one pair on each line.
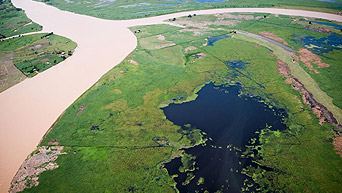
x,y
117,138
123,9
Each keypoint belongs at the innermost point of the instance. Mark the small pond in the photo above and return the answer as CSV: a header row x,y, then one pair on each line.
x,y
229,121
212,40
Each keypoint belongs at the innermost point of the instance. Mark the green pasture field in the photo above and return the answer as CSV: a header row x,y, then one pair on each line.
x,y
31,54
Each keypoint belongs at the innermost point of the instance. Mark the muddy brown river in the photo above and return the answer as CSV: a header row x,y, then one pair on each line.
x,y
28,109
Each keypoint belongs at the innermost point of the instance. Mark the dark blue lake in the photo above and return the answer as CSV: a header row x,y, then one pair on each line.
x,y
229,120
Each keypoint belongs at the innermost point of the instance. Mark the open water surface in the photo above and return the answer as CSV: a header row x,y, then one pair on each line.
x,y
230,121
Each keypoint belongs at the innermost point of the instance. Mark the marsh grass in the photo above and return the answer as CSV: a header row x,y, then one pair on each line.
x,y
123,155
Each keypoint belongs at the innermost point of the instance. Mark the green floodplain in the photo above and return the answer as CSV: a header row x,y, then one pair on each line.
x,y
123,9
27,55
108,133
13,21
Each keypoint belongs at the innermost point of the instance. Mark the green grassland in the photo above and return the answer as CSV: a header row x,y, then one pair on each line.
x,y
31,54
290,29
123,9
109,132
13,21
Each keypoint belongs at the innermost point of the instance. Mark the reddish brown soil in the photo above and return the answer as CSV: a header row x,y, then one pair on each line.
x,y
321,111
338,145
133,62
319,29
283,68
189,48
273,37
307,57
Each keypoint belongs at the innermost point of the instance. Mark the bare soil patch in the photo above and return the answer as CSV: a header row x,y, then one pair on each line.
x,y
307,57
9,74
319,29
322,113
27,175
81,109
338,145
160,37
133,62
196,32
165,45
273,37
189,49
231,16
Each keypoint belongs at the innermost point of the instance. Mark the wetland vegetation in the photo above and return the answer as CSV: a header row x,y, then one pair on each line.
x,y
28,55
122,9
117,138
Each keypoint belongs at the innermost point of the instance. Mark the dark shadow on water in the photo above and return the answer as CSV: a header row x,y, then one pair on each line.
x,y
230,121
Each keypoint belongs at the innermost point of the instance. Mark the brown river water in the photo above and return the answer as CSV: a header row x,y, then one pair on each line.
x,y
28,109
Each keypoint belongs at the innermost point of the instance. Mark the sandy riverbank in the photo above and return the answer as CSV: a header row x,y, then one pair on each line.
x,y
29,108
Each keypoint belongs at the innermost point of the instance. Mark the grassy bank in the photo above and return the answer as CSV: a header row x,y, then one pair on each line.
x,y
26,56
122,9
117,138
13,21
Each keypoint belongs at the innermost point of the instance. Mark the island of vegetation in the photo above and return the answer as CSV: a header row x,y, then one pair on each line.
x,y
23,56
120,136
